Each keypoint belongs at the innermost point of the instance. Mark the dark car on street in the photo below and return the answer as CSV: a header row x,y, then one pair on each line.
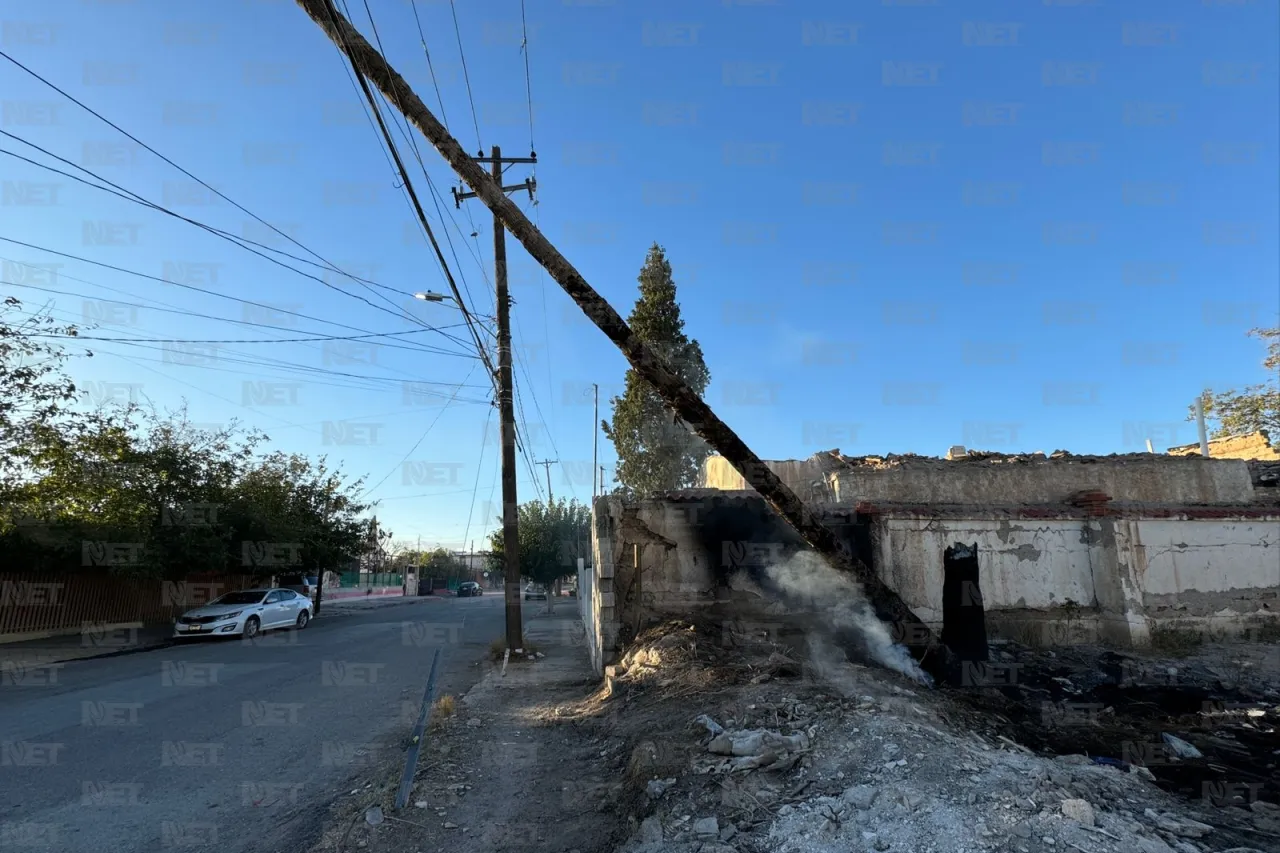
x,y
469,589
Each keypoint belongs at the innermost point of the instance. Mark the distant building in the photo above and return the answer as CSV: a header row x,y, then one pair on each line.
x,y
1254,445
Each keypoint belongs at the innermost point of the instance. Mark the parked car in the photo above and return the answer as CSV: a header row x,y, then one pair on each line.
x,y
535,591
245,613
304,584
469,589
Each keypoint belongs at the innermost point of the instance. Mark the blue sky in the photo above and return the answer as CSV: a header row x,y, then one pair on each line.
x,y
895,226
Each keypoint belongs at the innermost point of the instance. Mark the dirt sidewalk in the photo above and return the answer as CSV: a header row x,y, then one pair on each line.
x,y
505,771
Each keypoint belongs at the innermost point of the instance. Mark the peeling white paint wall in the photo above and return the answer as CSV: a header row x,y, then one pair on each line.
x,y
1209,556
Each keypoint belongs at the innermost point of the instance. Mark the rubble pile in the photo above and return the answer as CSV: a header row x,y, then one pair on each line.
x,y
806,758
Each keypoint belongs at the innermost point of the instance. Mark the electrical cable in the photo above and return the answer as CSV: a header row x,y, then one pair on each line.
x,y
467,77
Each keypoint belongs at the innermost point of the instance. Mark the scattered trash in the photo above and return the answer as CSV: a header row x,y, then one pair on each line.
x,y
657,787
373,815
711,725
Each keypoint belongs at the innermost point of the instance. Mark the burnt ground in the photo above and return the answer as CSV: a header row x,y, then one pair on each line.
x,y
1222,699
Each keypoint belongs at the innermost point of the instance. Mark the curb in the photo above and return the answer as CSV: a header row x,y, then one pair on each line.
x,y
149,647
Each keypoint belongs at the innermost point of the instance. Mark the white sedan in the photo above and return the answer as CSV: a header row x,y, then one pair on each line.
x,y
245,613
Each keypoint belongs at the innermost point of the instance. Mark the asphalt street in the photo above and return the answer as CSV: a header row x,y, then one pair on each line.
x,y
225,745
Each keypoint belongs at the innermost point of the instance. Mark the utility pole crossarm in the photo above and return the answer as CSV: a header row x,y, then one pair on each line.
x,y
529,184
674,391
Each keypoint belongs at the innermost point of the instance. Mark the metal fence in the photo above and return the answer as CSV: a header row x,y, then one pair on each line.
x,y
368,580
31,603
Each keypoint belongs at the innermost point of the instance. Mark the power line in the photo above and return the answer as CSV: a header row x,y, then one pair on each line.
x,y
404,174
431,68
528,83
212,189
129,195
244,340
467,77
126,271
484,441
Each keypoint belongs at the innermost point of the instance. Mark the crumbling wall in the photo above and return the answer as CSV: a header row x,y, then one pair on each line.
x,y
1254,445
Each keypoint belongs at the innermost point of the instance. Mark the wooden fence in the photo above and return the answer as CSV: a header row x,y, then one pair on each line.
x,y
67,602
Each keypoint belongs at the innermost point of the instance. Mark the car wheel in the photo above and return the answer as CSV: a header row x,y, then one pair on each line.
x,y
303,618
252,627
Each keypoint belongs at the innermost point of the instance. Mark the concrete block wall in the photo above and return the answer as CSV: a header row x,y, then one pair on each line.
x,y
1129,572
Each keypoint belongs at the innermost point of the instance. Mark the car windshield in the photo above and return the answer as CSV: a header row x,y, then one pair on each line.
x,y
248,596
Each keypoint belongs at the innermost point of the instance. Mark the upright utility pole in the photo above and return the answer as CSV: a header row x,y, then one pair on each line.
x,y
506,401
595,444
547,463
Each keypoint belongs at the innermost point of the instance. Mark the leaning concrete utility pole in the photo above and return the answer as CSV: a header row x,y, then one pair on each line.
x,y
690,408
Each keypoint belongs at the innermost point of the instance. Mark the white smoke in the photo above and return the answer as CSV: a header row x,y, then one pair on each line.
x,y
843,605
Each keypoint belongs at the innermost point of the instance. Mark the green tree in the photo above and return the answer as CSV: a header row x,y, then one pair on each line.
x,y
1253,407
657,451
552,537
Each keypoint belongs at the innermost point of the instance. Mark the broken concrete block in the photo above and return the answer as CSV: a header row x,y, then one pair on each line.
x,y
1078,810
651,830
860,796
707,826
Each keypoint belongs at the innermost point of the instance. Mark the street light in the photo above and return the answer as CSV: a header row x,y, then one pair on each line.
x,y
432,296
